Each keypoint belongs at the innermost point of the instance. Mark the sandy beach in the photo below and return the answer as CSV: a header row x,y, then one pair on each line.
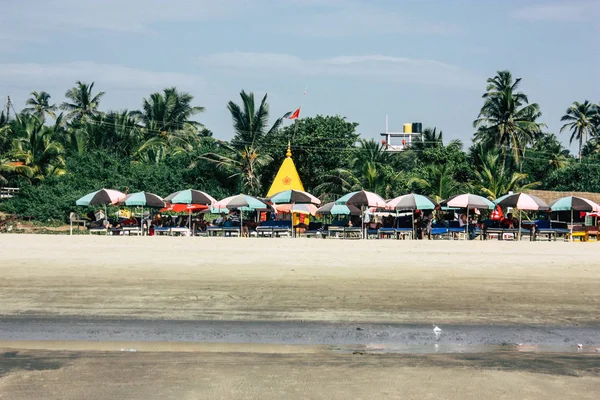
x,y
128,282
443,282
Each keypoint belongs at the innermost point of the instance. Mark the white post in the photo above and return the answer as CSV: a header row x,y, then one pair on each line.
x,y
467,230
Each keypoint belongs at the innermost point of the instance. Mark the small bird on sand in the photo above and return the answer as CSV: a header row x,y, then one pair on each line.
x,y
436,329
579,346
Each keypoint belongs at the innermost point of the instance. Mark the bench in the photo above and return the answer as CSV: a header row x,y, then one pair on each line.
x,y
274,228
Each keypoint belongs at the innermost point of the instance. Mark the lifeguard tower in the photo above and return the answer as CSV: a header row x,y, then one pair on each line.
x,y
399,141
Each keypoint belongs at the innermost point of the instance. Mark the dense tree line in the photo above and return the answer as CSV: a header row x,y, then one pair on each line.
x,y
57,153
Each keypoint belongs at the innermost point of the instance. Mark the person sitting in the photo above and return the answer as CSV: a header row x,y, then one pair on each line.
x,y
234,217
221,220
509,222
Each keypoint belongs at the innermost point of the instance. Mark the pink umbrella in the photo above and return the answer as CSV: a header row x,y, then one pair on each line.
x,y
362,199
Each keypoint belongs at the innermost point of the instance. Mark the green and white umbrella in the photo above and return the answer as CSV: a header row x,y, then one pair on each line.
x,y
144,199
191,196
338,209
292,196
102,197
242,202
411,202
574,203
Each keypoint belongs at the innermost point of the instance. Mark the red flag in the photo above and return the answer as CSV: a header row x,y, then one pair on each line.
x,y
296,114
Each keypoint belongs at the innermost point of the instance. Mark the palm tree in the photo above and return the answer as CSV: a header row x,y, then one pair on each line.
x,y
168,127
581,121
549,146
169,111
495,182
370,169
336,183
430,139
33,146
437,181
244,156
40,106
244,164
506,118
83,103
116,131
249,123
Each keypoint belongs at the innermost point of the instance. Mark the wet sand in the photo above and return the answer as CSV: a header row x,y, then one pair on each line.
x,y
235,318
101,375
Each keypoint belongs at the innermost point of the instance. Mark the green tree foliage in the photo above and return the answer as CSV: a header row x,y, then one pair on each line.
x,y
581,120
245,157
250,123
507,120
320,145
493,181
35,150
83,103
39,106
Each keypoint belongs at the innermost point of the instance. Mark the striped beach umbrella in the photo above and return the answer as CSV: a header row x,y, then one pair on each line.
x,y
411,202
190,196
144,199
338,209
468,200
522,201
242,202
101,197
362,198
292,196
306,209
574,203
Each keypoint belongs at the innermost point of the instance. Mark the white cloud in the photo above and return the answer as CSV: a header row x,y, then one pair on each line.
x,y
31,75
363,18
130,15
125,86
565,11
366,67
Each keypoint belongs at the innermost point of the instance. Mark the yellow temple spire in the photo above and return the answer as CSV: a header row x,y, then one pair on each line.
x,y
287,177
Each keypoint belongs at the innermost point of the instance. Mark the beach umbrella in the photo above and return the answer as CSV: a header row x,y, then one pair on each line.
x,y
190,196
468,201
338,209
574,203
411,202
102,197
143,199
521,201
292,196
242,202
362,199
307,209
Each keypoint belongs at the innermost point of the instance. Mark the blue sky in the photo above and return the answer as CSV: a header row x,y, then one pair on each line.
x,y
421,61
